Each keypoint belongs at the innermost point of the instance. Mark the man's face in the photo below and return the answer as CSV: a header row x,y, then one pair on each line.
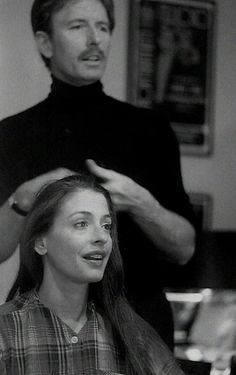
x,y
79,43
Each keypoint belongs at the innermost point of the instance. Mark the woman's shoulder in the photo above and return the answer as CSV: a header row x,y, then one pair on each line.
x,y
19,303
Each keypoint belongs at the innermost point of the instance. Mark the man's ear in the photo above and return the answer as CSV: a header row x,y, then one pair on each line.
x,y
40,246
44,44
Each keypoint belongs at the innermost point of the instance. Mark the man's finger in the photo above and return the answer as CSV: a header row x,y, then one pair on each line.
x,y
98,171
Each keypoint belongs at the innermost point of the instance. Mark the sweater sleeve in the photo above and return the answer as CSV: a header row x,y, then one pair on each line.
x,y
162,165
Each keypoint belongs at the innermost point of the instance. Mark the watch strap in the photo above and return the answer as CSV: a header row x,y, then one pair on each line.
x,y
13,204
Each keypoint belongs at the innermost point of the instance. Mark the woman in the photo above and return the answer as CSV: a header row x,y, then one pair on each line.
x,y
70,315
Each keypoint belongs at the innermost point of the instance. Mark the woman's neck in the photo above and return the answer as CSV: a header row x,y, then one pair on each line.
x,y
68,303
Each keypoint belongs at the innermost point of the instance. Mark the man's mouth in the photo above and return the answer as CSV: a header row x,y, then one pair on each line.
x,y
93,58
93,55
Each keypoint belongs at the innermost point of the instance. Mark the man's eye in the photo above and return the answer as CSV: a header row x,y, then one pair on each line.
x,y
104,28
76,27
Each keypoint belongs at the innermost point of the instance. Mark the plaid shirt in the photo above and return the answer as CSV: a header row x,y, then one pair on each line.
x,y
33,341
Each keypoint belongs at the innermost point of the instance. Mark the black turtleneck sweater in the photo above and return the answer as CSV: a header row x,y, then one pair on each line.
x,y
73,124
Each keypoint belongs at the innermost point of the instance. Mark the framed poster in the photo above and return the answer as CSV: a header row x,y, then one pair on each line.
x,y
202,204
170,64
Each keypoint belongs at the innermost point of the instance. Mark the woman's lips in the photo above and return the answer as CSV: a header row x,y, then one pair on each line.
x,y
95,257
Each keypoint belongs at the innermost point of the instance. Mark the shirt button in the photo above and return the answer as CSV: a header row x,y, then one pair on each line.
x,y
74,340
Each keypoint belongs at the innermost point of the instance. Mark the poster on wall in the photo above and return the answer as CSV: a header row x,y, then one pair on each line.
x,y
170,65
202,204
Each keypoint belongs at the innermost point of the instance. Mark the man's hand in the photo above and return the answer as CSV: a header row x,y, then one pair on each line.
x,y
172,234
125,193
12,224
25,193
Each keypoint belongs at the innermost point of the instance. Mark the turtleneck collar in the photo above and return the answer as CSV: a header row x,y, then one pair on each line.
x,y
62,91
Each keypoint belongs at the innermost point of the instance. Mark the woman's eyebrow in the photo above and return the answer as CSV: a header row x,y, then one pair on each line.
x,y
107,216
81,213
88,213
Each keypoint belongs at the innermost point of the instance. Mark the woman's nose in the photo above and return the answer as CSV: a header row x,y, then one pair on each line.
x,y
100,235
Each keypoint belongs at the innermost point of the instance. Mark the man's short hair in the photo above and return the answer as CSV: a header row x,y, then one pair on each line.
x,y
43,10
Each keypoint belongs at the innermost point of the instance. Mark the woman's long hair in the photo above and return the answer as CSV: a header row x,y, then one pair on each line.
x,y
133,336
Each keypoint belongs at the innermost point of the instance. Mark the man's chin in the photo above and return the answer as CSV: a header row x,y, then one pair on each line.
x,y
84,81
91,74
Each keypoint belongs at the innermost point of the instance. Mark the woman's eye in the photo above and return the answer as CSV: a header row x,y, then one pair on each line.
x,y
81,224
107,227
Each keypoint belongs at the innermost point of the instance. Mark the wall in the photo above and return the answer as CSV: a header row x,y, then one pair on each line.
x,y
25,81
217,174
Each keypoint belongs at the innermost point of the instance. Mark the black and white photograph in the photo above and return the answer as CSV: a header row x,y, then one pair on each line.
x,y
117,187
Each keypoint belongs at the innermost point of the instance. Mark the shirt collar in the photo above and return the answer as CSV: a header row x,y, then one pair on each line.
x,y
69,94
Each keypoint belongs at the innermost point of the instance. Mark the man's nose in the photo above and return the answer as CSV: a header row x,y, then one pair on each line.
x,y
93,36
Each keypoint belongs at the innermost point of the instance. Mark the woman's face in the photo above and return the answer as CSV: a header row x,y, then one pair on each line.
x,y
79,243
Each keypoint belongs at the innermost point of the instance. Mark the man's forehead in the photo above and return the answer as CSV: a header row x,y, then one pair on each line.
x,y
74,2
83,6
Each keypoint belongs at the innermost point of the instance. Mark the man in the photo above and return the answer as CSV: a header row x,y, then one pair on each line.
x,y
78,127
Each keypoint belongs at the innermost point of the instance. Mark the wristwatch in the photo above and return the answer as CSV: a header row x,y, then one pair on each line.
x,y
13,204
